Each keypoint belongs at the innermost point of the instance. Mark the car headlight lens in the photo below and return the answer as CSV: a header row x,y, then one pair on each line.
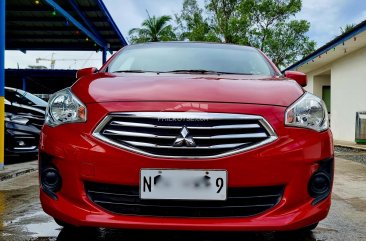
x,y
65,107
308,112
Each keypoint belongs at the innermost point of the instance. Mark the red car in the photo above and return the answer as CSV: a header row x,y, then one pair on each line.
x,y
187,136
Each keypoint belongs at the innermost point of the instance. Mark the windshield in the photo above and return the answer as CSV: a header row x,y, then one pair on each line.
x,y
182,57
23,98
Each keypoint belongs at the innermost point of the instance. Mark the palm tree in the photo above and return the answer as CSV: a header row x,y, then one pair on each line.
x,y
347,28
153,29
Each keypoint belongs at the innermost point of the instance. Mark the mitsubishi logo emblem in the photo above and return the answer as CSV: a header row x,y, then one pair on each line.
x,y
184,139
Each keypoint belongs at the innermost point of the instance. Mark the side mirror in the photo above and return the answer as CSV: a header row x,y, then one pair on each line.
x,y
299,77
84,72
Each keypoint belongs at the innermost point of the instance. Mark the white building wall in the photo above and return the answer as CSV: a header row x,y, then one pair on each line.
x,y
348,93
316,75
318,83
310,86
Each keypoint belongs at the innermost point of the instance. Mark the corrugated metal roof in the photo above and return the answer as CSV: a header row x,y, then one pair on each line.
x,y
35,25
45,81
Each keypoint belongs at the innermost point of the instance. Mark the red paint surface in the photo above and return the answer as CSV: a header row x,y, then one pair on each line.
x,y
106,87
288,161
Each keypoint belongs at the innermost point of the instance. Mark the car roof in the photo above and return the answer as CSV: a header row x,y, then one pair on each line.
x,y
182,43
10,88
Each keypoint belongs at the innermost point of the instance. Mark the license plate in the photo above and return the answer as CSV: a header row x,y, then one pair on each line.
x,y
183,184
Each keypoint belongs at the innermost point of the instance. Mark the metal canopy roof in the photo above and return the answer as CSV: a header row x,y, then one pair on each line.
x,y
347,41
60,25
40,81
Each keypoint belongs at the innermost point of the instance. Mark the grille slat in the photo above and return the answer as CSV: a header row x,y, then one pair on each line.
x,y
195,134
224,127
223,146
241,202
185,134
135,134
182,207
134,124
237,126
232,136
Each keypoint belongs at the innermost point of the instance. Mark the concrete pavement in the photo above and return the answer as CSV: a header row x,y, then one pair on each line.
x,y
18,169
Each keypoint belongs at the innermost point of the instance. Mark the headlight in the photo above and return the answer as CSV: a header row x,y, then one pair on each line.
x,y
308,112
65,107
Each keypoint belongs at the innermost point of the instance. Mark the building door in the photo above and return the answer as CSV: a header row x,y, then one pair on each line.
x,y
326,97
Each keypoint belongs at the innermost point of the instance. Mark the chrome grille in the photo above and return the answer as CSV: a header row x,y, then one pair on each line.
x,y
240,202
185,134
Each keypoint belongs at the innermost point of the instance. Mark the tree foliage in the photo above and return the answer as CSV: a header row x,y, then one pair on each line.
x,y
191,24
153,29
268,25
274,30
229,23
347,28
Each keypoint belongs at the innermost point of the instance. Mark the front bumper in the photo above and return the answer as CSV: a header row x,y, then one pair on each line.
x,y
21,139
289,161
279,219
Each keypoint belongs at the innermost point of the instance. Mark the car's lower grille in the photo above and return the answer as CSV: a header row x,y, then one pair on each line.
x,y
36,119
185,134
241,202
19,139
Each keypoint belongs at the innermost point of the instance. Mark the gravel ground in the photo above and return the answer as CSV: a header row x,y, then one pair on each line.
x,y
352,154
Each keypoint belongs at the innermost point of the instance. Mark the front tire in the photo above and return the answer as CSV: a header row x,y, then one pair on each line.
x,y
64,224
309,228
70,227
306,232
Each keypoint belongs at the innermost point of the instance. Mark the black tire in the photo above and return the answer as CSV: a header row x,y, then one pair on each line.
x,y
305,233
70,227
309,228
77,233
64,224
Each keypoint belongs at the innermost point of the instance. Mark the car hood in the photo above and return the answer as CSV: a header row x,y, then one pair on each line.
x,y
264,90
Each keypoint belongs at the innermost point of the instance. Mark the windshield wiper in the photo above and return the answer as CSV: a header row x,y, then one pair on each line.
x,y
203,71
132,71
199,71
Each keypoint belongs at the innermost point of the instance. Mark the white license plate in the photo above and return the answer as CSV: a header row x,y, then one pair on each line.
x,y
183,184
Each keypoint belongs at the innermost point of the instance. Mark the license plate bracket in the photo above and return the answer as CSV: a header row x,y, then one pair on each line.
x,y
178,184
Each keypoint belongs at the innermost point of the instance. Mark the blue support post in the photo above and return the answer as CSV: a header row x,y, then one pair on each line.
x,y
110,20
2,81
104,55
24,83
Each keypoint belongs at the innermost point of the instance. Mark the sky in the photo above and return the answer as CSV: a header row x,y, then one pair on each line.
x,y
325,16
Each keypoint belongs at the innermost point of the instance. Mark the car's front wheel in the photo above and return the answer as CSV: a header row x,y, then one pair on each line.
x,y
304,232
70,227
64,224
309,228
